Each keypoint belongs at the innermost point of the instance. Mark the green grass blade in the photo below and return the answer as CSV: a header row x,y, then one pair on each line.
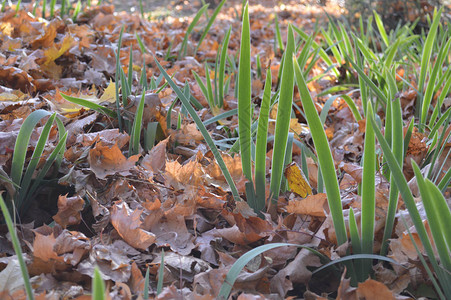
x,y
224,115
52,8
203,130
366,51
369,82
441,99
137,125
356,244
98,286
150,135
244,97
76,10
426,56
160,274
283,117
407,136
36,156
326,163
326,108
352,107
368,192
44,4
438,214
17,249
434,74
130,69
233,273
225,46
353,257
324,56
141,8
117,79
209,87
94,106
262,137
380,27
55,156
445,181
209,24
191,26
391,52
203,88
146,285
333,47
426,266
406,194
278,34
21,146
364,92
397,144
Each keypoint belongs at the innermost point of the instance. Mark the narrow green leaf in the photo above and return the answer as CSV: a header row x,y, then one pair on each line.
x,y
209,24
326,163
160,274
244,97
224,115
233,273
191,26
425,57
352,107
406,194
94,106
98,286
434,74
368,191
137,125
380,27
262,137
17,249
438,214
225,46
146,285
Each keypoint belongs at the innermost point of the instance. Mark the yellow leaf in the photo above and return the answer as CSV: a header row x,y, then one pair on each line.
x,y
109,94
53,53
297,181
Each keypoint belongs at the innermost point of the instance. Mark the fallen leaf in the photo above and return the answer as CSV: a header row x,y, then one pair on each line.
x,y
128,224
373,290
297,181
69,210
313,205
105,160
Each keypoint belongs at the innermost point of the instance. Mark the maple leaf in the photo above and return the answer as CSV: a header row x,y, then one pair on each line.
x,y
128,225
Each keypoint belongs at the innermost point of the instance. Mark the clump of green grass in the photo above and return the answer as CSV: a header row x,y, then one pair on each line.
x,y
26,184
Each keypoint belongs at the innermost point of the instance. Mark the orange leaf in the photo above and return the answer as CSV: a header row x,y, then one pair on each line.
x,y
69,210
106,161
128,225
373,290
313,205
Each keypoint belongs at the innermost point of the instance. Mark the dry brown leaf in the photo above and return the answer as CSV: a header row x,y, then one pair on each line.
x,y
188,134
374,290
313,205
171,231
179,176
69,210
128,225
105,160
155,160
